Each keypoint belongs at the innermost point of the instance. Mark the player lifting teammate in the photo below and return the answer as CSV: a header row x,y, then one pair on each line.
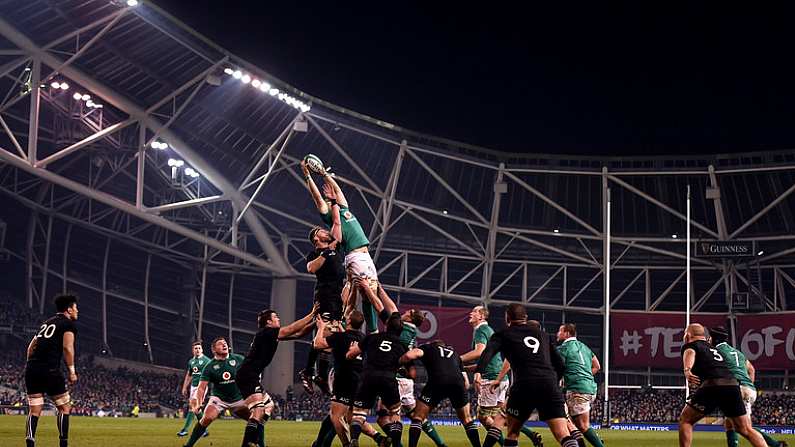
x,y
536,366
742,370
717,388
195,366
446,380
347,375
225,395
491,392
258,357
580,366
354,242
54,341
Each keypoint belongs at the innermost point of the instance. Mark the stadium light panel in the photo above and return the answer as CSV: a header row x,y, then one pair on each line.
x,y
246,79
155,145
85,97
228,71
64,86
189,171
90,103
444,212
132,2
55,85
255,83
556,230
674,236
760,253
274,91
237,74
77,96
265,87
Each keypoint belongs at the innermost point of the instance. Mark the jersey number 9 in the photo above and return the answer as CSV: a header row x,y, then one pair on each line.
x,y
532,343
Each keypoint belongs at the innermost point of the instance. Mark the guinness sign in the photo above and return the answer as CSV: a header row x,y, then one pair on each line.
x,y
725,249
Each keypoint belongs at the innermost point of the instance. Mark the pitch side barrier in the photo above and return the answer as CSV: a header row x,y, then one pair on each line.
x,y
771,429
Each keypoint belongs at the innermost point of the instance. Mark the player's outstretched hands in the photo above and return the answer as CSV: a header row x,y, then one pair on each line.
x,y
315,308
328,191
352,351
72,378
304,168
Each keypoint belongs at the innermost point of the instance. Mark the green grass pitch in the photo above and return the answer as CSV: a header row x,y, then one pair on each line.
x,y
125,432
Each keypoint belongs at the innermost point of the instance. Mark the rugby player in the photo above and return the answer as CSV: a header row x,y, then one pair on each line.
x,y
536,366
258,357
705,367
220,372
446,380
54,341
195,366
579,385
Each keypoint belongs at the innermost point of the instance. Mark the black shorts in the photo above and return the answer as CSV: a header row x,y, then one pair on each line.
x,y
372,387
727,398
329,305
433,393
345,388
248,383
44,381
542,395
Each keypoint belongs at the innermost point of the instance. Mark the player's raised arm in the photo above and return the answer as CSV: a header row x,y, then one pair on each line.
x,y
298,327
595,365
321,205
688,359
336,223
329,180
69,355
319,342
362,284
389,305
412,355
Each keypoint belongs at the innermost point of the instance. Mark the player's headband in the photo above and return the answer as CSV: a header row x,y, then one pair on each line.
x,y
313,233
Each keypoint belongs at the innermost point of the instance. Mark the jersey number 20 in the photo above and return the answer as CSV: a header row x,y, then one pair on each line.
x,y
46,331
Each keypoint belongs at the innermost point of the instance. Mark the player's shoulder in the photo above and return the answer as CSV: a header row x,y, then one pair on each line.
x,y
238,358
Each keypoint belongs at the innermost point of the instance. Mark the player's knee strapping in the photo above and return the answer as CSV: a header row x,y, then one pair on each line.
x,y
35,401
63,400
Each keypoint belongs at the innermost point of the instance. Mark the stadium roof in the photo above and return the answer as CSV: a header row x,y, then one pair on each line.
x,y
447,220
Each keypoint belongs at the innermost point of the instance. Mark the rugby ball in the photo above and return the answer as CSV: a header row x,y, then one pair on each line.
x,y
314,163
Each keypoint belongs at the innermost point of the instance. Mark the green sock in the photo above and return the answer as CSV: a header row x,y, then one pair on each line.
x,y
769,440
526,431
732,438
198,431
370,316
427,427
593,438
502,439
188,421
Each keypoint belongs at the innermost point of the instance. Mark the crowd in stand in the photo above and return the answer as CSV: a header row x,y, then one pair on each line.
x,y
15,317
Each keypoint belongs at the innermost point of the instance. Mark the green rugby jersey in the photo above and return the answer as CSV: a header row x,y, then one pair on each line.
x,y
735,361
353,236
408,338
481,335
221,373
577,358
195,367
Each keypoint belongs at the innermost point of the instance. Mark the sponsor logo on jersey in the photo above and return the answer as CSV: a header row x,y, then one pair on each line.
x,y
348,216
226,375
233,362
195,370
216,366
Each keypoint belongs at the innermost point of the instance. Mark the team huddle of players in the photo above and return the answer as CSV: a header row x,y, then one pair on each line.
x,y
376,370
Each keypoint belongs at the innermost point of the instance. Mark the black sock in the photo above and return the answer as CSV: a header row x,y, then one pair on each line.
x,y
493,435
251,433
63,429
395,432
511,442
261,434
310,362
356,429
569,441
325,427
471,429
30,430
414,432
576,434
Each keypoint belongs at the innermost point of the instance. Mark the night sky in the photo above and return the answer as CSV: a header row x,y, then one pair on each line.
x,y
586,78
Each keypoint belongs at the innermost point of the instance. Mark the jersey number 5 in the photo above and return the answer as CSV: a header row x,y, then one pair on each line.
x,y
385,346
46,331
532,343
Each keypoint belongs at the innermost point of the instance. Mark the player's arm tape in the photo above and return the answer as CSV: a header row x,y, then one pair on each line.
x,y
71,369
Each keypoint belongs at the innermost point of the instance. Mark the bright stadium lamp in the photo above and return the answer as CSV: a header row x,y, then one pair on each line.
x,y
256,83
674,236
189,171
760,253
274,91
55,85
85,97
90,103
246,79
237,74
172,162
64,86
155,145
77,96
179,163
228,71
132,3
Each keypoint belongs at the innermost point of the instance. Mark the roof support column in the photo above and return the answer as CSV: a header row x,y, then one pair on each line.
x,y
500,188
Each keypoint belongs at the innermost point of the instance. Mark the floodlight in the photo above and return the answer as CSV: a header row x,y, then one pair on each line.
x,y
172,162
155,145
674,236
274,91
761,252
228,71
64,86
85,97
90,103
189,171
77,96
179,163
132,2
237,74
265,87
256,83
556,230
55,85
246,79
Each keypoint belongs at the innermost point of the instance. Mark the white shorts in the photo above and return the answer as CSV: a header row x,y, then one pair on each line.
x,y
193,390
361,264
749,397
578,403
492,397
406,390
222,405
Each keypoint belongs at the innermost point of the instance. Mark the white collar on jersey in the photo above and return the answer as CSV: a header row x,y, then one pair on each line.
x,y
481,324
410,324
569,339
722,343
